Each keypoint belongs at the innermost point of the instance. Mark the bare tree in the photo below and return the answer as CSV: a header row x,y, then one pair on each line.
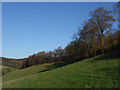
x,y
116,11
102,20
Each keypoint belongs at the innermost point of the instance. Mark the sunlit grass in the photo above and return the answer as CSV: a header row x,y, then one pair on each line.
x,y
97,72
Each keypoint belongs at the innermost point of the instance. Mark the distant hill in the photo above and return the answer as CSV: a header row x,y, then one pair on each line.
x,y
97,72
6,69
15,63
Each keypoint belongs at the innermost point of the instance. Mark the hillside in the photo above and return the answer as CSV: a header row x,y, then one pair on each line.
x,y
15,63
6,69
28,71
100,71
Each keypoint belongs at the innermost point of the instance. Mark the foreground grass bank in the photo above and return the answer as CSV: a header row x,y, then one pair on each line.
x,y
100,71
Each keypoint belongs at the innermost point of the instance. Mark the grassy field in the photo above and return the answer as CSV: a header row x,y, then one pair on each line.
x,y
6,69
27,72
97,72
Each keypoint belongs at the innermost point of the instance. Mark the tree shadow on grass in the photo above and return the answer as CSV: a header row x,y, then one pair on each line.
x,y
53,66
42,71
108,56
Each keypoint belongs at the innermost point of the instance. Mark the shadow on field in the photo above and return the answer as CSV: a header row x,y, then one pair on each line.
x,y
53,66
43,71
111,55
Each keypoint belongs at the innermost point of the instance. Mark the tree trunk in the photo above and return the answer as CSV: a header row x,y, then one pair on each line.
x,y
102,42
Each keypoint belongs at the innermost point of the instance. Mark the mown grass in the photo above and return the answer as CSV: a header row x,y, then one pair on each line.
x,y
98,72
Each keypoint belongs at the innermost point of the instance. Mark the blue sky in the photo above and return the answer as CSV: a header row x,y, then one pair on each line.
x,y
28,28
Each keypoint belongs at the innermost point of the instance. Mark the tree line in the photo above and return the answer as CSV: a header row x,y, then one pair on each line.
x,y
96,36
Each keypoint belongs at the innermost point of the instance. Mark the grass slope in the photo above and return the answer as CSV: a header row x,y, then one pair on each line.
x,y
6,69
27,72
99,71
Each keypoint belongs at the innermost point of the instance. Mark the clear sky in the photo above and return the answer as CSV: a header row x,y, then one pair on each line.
x,y
28,28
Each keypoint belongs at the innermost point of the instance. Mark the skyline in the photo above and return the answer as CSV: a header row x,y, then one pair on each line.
x,y
29,28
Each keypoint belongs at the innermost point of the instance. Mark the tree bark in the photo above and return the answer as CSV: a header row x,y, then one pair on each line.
x,y
102,42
